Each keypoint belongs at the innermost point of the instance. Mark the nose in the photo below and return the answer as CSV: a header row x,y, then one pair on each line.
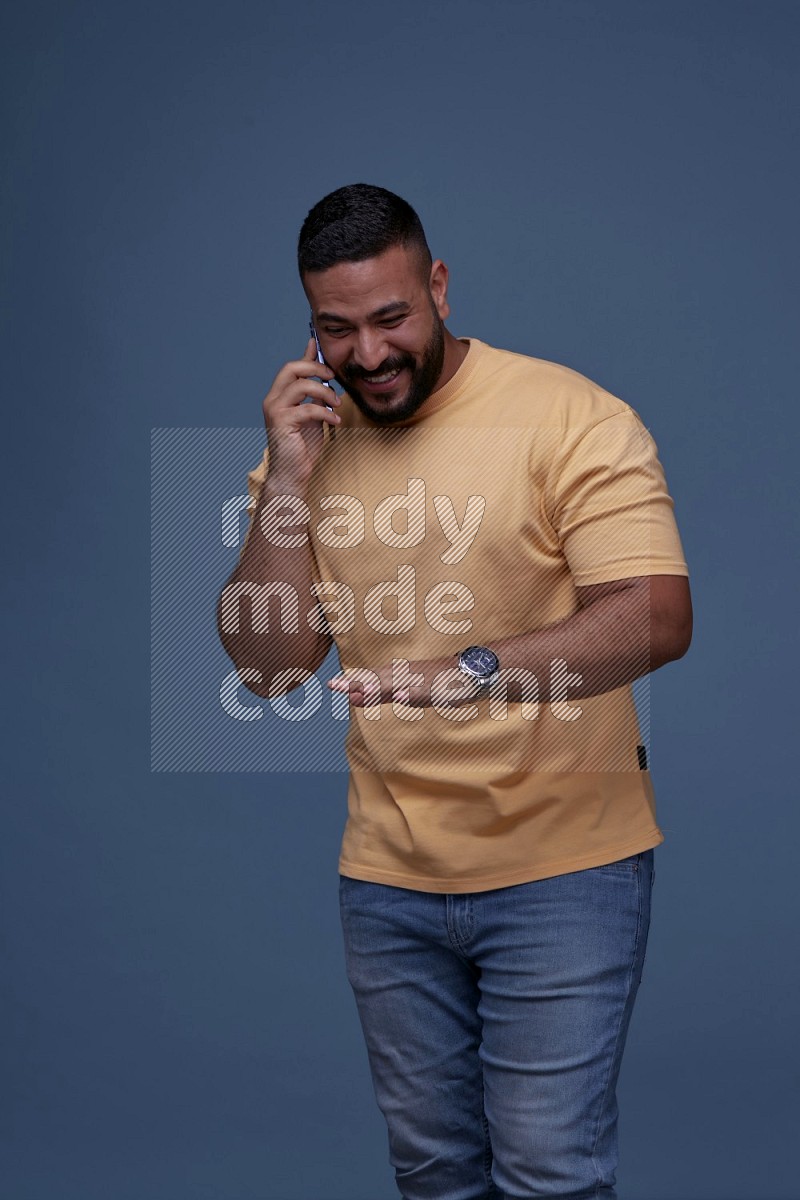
x,y
370,349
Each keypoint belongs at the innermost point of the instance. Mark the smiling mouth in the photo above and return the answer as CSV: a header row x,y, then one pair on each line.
x,y
387,377
380,383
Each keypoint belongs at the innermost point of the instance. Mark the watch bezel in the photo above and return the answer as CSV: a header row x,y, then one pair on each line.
x,y
479,677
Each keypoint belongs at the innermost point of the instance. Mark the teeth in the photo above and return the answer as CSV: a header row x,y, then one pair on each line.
x,y
381,378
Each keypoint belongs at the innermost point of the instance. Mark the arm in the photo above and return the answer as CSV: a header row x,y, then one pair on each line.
x,y
267,615
621,631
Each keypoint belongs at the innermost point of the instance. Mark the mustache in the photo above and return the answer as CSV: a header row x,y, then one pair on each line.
x,y
352,372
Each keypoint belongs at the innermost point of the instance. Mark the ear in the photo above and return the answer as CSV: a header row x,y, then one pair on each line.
x,y
437,284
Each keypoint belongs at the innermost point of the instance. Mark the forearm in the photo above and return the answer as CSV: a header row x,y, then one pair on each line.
x,y
599,648
268,616
622,630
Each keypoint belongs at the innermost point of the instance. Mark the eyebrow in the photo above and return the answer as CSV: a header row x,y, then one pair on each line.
x,y
393,307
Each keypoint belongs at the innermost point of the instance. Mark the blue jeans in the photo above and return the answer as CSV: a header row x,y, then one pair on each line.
x,y
495,1024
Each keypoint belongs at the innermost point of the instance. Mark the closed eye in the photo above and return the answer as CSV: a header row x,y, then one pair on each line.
x,y
388,323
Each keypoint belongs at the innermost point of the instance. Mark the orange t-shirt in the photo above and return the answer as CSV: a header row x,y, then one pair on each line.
x,y
474,521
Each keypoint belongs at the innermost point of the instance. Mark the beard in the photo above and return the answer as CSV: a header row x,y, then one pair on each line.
x,y
424,377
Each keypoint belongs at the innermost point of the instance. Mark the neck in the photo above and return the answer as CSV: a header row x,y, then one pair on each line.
x,y
454,354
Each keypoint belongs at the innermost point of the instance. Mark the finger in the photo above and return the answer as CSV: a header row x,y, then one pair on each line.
x,y
291,372
304,414
339,683
302,389
293,402
343,682
359,693
306,388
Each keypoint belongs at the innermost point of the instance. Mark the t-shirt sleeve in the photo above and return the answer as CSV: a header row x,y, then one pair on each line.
x,y
256,477
611,509
255,482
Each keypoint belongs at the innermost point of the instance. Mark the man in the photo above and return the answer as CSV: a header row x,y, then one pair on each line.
x,y
489,540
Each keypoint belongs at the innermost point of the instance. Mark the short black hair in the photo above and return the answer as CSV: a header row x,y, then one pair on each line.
x,y
356,222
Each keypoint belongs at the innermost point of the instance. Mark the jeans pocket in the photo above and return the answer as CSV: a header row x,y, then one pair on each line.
x,y
622,864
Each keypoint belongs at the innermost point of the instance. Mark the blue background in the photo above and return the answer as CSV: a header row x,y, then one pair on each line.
x,y
613,186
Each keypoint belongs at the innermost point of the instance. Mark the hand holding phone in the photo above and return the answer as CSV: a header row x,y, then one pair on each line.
x,y
297,407
320,359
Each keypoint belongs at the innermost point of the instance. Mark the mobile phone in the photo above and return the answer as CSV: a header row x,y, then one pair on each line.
x,y
320,359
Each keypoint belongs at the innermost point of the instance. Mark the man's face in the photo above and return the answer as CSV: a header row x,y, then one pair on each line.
x,y
380,326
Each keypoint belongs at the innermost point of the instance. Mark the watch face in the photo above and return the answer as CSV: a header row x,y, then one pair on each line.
x,y
480,661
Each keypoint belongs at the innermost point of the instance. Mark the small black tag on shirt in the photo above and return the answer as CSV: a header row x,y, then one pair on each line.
x,y
641,754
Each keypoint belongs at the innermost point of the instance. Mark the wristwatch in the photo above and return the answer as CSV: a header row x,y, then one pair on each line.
x,y
479,664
